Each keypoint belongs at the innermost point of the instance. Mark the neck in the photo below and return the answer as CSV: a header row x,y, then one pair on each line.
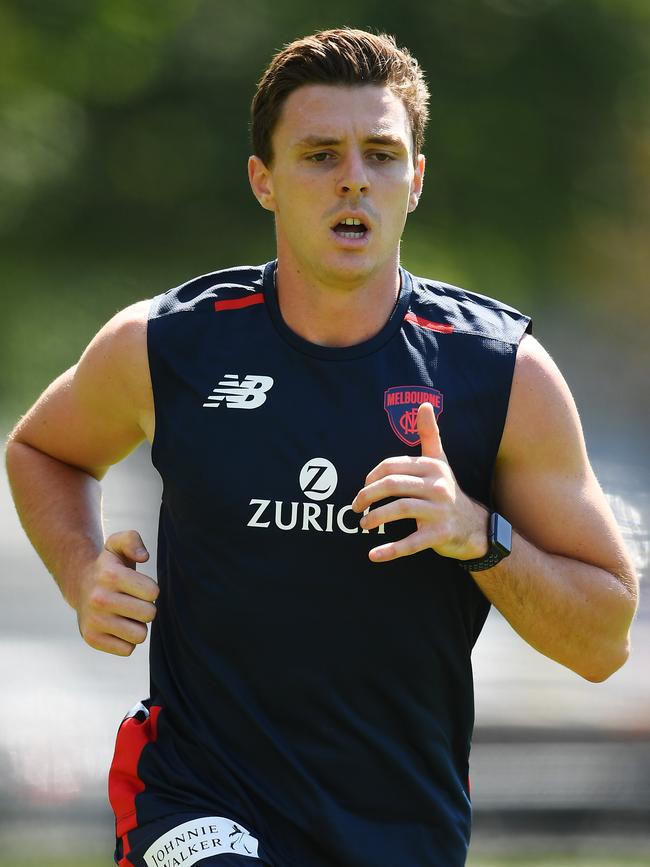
x,y
336,314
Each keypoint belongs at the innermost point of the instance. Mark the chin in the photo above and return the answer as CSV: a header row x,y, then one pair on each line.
x,y
347,272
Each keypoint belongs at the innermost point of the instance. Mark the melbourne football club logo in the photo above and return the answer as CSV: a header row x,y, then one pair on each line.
x,y
402,403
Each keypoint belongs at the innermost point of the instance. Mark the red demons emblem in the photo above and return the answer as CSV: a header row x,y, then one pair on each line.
x,y
402,403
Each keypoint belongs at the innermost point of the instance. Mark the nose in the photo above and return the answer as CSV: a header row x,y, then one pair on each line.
x,y
353,177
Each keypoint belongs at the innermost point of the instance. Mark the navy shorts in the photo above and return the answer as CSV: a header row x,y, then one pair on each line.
x,y
183,839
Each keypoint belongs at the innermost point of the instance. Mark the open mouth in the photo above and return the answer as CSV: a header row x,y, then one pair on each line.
x,y
351,228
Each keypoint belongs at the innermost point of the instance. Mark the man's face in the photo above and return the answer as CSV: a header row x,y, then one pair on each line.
x,y
341,154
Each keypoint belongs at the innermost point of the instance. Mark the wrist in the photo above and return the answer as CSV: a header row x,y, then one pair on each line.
x,y
499,545
78,571
477,543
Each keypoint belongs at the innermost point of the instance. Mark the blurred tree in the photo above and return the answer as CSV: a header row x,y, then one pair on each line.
x,y
123,143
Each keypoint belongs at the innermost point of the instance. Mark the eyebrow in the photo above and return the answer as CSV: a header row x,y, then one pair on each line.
x,y
328,141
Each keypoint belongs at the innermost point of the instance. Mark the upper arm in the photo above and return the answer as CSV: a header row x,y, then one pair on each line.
x,y
98,411
544,482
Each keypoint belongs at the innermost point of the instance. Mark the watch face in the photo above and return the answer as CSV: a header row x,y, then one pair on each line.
x,y
501,533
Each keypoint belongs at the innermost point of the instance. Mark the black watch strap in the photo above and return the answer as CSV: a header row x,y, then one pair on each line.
x,y
499,545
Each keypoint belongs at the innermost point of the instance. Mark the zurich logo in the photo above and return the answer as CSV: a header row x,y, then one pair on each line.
x,y
318,478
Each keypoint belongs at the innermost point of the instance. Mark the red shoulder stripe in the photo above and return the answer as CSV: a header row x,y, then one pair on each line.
x,y
426,323
236,303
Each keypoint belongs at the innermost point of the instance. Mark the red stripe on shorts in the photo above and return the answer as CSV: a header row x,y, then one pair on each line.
x,y
123,780
236,303
126,848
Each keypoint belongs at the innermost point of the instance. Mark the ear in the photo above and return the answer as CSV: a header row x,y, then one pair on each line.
x,y
417,183
261,183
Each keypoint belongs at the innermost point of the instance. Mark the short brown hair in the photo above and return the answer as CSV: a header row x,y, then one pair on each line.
x,y
344,56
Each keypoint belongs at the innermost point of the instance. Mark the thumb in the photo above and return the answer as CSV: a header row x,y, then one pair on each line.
x,y
128,546
429,432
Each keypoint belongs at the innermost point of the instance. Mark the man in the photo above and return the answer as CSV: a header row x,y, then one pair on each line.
x,y
343,448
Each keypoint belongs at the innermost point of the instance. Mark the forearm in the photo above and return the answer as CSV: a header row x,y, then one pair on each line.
x,y
60,509
573,612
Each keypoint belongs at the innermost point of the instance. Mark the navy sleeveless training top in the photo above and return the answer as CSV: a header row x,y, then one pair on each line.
x,y
322,701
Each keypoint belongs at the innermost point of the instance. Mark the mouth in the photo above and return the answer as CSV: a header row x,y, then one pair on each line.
x,y
351,228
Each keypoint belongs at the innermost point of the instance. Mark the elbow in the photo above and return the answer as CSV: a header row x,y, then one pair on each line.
x,y
11,445
607,665
612,654
10,442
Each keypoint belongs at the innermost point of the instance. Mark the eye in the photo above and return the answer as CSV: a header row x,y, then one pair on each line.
x,y
320,157
382,157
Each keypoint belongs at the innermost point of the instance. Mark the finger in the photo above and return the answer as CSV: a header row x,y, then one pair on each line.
x,y
412,544
103,600
128,546
398,510
391,486
128,630
134,609
115,577
402,465
429,432
108,643
136,584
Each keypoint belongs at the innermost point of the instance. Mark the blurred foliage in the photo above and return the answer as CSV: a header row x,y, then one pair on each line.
x,y
124,138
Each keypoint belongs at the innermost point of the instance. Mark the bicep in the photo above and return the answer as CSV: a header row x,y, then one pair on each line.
x,y
95,413
544,482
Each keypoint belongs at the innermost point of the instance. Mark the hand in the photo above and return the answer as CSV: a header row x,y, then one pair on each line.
x,y
116,602
447,520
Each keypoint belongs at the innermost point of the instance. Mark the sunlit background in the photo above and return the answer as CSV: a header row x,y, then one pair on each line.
x,y
123,147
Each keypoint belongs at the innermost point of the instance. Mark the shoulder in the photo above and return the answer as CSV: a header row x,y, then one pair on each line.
x,y
465,312
542,423
126,330
203,293
118,353
543,480
114,369
96,412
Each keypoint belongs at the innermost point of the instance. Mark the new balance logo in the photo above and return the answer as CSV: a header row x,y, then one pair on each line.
x,y
247,394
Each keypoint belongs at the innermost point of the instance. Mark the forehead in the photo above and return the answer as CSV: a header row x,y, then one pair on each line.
x,y
341,111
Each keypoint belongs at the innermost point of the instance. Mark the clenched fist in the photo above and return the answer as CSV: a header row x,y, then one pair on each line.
x,y
115,602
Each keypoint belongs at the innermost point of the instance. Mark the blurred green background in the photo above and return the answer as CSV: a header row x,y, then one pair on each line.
x,y
123,148
124,138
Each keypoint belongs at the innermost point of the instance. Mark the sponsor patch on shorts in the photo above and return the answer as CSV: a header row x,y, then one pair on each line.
x,y
192,841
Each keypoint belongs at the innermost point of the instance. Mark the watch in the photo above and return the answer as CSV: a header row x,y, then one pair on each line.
x,y
499,545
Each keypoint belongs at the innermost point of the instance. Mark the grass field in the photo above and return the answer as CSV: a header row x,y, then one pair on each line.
x,y
561,861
